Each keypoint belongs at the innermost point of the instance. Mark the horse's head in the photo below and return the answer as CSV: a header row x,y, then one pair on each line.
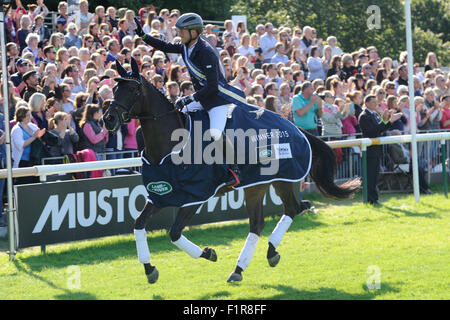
x,y
127,97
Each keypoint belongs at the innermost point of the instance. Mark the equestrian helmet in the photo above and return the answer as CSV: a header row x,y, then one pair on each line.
x,y
190,21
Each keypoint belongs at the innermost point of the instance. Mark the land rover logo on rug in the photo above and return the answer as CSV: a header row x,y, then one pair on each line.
x,y
160,187
265,153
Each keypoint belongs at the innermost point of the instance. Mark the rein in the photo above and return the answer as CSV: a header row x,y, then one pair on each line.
x,y
126,114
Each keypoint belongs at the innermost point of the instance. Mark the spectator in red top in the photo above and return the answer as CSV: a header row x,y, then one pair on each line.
x,y
228,43
130,142
143,13
19,12
94,135
350,124
445,104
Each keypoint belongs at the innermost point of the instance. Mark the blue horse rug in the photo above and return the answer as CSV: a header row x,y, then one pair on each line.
x,y
268,148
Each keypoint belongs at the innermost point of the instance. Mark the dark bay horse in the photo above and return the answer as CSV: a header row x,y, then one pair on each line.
x,y
135,97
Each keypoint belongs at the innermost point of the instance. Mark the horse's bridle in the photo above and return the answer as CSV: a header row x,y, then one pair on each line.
x,y
125,112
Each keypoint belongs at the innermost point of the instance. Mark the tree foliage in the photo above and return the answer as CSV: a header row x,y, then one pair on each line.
x,y
432,15
427,41
349,21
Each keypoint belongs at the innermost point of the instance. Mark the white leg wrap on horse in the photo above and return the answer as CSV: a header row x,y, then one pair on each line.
x,y
142,246
279,231
187,246
248,250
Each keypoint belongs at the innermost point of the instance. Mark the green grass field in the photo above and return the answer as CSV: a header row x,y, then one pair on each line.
x,y
333,254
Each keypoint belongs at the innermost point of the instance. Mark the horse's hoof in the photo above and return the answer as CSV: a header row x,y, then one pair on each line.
x,y
212,255
209,254
153,276
305,206
234,277
274,260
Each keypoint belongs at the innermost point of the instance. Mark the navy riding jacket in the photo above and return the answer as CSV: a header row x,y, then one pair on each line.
x,y
205,59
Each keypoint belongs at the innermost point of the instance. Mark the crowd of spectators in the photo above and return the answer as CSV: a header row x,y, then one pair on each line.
x,y
60,81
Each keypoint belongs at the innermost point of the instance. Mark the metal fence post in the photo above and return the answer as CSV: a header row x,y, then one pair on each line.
x,y
428,160
364,172
43,179
9,182
444,166
350,159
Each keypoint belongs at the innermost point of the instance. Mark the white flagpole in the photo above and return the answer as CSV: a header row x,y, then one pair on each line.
x,y
412,107
12,248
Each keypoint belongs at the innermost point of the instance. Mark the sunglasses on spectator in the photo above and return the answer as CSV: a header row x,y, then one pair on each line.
x,y
381,92
146,66
90,41
137,55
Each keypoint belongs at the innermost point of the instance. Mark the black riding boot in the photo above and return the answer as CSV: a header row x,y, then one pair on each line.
x,y
234,172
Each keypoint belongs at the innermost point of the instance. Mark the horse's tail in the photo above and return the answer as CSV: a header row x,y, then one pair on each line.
x,y
323,170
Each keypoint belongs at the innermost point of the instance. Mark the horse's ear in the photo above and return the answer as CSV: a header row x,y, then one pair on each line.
x,y
134,69
122,72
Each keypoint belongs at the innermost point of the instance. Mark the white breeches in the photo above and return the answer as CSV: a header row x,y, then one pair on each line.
x,y
217,117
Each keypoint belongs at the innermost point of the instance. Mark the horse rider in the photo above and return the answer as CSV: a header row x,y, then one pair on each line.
x,y
212,94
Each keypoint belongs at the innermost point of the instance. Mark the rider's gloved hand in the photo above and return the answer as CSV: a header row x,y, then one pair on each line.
x,y
183,101
139,30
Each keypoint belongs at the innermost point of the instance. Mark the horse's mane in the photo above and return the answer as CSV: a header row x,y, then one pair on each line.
x,y
154,88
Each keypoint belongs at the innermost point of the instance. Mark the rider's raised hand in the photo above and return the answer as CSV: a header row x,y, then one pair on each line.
x,y
139,30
